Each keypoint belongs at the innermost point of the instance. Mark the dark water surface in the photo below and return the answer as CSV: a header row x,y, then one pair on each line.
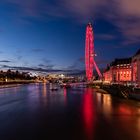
x,y
32,112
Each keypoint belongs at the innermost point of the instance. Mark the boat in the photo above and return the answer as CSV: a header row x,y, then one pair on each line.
x,y
53,87
65,85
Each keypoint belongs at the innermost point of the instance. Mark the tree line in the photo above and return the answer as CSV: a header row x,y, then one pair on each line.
x,y
15,75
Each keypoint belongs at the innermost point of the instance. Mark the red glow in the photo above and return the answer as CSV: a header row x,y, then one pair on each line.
x,y
65,95
89,53
125,110
134,72
89,113
118,74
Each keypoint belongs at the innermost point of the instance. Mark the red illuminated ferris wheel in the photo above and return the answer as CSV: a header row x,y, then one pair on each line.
x,y
90,54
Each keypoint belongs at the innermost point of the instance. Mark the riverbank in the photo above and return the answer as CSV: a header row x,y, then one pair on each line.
x,y
14,83
122,91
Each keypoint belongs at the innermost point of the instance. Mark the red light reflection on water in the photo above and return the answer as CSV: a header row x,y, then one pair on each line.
x,y
124,110
129,119
65,95
89,113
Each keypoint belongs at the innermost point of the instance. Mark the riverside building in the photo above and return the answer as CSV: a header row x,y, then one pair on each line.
x,y
136,68
119,71
126,70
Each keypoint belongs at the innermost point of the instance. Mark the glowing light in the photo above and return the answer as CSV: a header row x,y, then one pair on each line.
x,y
89,113
44,90
65,95
90,54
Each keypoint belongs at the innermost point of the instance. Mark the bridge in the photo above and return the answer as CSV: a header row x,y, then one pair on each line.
x,y
95,83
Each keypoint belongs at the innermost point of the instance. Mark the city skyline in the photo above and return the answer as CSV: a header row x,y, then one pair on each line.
x,y
51,35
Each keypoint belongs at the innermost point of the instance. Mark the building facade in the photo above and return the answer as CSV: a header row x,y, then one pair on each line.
x,y
124,70
136,68
119,71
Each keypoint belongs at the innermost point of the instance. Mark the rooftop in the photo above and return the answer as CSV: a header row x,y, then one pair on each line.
x,y
121,61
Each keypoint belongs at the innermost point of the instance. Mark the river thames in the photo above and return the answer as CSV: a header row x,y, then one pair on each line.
x,y
33,111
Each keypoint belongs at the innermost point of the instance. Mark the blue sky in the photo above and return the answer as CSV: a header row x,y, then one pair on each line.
x,y
50,34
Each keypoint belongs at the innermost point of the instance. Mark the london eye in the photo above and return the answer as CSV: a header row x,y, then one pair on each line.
x,y
90,54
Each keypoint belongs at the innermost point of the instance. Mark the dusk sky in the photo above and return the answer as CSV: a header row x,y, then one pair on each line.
x,y
50,34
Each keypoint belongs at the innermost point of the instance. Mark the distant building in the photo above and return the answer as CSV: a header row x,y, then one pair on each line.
x,y
119,71
136,68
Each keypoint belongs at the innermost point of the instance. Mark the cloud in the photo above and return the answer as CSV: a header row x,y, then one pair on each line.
x,y
100,62
105,36
42,70
49,66
82,8
29,68
76,8
123,14
5,61
26,7
41,65
19,57
37,8
81,59
130,29
46,61
129,7
46,64
37,50
77,65
90,7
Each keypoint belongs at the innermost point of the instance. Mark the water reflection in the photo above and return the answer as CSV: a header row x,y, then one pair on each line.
x,y
126,115
89,113
107,105
104,103
138,122
102,112
65,95
82,113
44,90
124,110
33,93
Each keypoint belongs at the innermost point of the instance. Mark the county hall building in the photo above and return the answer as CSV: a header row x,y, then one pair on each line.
x,y
119,71
126,70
